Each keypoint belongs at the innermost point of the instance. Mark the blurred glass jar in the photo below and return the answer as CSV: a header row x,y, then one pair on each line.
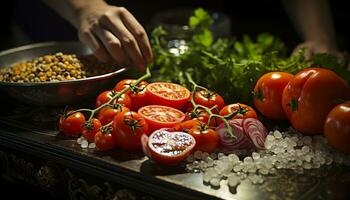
x,y
175,22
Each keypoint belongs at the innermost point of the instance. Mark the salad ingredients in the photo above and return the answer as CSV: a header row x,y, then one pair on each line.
x,y
104,140
170,147
310,96
268,94
128,128
237,111
158,116
105,96
207,140
90,129
107,114
136,93
337,127
167,94
209,99
71,123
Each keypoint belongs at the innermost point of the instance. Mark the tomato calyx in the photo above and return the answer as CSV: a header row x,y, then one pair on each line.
x,y
88,125
293,104
132,123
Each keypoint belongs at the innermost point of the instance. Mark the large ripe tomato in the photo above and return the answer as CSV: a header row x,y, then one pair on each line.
x,y
310,96
209,99
158,116
71,124
106,115
128,128
268,94
104,140
242,111
137,93
337,127
169,148
90,129
207,140
202,116
167,94
105,96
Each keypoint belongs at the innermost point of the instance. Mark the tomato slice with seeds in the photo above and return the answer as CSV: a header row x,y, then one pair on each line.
x,y
158,116
170,148
167,94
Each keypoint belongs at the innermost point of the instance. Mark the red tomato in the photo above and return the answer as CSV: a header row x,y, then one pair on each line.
x,y
106,115
71,124
170,148
128,128
104,140
207,140
310,96
158,117
188,107
105,96
201,115
243,111
185,126
337,127
167,94
209,99
90,129
268,94
137,93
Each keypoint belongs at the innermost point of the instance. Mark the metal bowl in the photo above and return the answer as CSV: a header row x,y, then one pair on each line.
x,y
54,93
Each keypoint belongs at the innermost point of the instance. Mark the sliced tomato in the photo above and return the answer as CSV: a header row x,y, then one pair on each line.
x,y
158,116
167,94
170,148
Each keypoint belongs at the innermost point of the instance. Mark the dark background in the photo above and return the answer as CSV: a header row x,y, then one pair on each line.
x,y
40,23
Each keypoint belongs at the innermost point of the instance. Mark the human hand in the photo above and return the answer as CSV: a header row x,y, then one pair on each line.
x,y
312,48
113,33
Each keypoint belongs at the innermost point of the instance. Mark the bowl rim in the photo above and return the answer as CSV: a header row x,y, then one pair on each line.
x,y
48,83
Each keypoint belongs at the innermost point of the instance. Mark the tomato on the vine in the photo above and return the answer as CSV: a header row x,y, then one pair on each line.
x,y
309,97
90,129
128,128
169,148
268,94
158,116
104,140
72,124
242,111
106,115
337,127
202,116
105,96
207,140
137,93
185,126
209,99
167,94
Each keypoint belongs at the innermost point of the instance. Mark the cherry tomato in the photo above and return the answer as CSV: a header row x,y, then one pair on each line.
x,y
209,99
71,124
337,127
137,93
207,140
167,94
105,96
104,140
202,116
158,117
170,148
310,96
243,111
185,126
90,129
188,107
128,128
268,94
106,115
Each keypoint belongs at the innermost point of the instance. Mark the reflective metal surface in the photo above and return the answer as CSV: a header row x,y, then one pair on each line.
x,y
54,93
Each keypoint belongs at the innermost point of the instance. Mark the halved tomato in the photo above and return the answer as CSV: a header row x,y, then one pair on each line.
x,y
158,116
167,94
170,147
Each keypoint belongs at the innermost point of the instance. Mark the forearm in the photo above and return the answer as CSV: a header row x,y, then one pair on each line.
x,y
70,9
313,20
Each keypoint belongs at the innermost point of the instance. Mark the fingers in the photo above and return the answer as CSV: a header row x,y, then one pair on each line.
x,y
112,44
88,38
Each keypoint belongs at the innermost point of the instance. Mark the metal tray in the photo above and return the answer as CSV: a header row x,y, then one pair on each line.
x,y
54,93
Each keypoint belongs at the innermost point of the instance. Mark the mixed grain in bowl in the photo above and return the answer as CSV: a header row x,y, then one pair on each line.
x,y
53,68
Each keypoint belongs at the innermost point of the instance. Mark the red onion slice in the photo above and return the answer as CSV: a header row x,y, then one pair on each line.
x,y
256,131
